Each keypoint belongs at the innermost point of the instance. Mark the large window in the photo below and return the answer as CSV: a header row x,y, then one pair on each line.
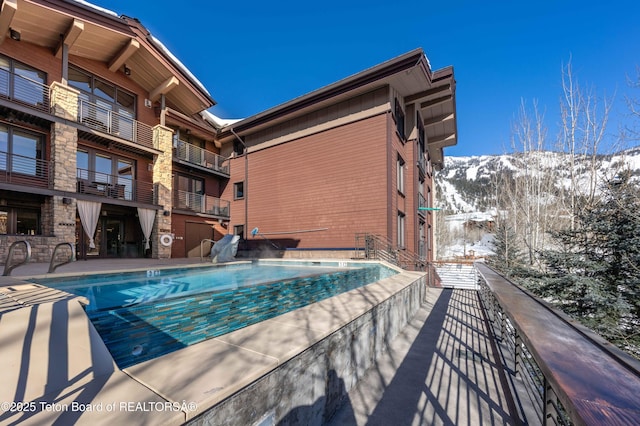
x,y
104,106
104,174
19,221
21,82
20,151
190,193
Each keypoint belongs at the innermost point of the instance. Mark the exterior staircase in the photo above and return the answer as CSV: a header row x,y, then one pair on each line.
x,y
457,275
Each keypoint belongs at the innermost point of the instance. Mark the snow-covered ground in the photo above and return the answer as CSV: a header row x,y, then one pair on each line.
x,y
459,249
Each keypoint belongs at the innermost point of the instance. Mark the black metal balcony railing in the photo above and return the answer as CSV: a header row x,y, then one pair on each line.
x,y
201,157
200,203
114,186
24,91
103,119
567,373
27,171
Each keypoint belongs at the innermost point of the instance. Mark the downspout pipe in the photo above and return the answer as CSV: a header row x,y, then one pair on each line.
x,y
246,182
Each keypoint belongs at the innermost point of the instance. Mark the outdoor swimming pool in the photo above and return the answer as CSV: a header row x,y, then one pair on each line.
x,y
146,314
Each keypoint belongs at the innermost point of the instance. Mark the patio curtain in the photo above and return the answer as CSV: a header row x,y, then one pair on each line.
x,y
89,212
147,217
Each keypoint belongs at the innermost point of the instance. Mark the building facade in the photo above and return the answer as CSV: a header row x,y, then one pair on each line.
x,y
102,134
311,177
106,146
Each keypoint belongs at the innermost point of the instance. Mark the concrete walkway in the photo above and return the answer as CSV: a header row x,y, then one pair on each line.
x,y
441,370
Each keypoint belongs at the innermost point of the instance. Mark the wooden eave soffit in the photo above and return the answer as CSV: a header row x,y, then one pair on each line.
x,y
73,32
442,141
164,88
436,101
125,53
9,8
438,119
427,93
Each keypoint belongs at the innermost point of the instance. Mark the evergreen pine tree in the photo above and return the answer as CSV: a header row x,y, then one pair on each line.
x,y
508,256
594,274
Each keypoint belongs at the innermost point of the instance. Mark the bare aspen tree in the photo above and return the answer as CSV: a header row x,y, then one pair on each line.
x,y
584,123
526,197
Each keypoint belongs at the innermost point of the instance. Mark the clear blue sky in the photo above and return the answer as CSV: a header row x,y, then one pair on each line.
x,y
253,55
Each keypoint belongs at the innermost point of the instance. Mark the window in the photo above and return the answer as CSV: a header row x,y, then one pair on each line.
x,y
421,139
399,116
19,221
20,151
103,174
190,193
401,229
400,171
238,190
21,82
104,106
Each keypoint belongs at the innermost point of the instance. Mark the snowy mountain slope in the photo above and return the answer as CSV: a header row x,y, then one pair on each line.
x,y
467,184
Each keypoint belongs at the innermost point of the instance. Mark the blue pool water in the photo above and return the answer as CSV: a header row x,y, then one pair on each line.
x,y
143,315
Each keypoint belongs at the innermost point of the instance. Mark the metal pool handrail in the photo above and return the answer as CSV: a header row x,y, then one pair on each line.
x,y
201,251
72,258
10,266
571,375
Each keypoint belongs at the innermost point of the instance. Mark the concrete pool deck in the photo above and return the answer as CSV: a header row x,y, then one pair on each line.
x,y
52,356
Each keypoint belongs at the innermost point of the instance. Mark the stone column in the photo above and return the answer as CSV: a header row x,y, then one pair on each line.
x,y
61,211
162,184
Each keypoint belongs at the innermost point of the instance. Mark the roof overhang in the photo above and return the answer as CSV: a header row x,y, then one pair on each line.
x,y
100,35
410,75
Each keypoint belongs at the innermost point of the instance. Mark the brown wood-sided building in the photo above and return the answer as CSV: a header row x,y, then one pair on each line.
x,y
355,157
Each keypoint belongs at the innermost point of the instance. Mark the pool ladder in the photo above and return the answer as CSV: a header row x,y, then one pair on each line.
x,y
11,264
72,257
201,247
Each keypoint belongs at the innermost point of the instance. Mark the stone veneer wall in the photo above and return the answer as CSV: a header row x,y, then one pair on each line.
x,y
58,218
162,183
309,388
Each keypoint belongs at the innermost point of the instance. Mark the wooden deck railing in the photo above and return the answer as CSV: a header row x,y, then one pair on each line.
x,y
568,373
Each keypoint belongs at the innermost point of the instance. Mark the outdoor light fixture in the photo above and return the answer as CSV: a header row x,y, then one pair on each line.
x,y
127,70
166,213
14,34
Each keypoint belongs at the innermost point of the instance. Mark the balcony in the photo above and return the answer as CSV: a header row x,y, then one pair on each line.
x,y
194,155
24,91
113,187
26,94
200,203
103,119
26,171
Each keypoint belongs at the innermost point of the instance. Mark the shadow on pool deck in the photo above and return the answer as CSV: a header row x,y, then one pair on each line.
x,y
441,370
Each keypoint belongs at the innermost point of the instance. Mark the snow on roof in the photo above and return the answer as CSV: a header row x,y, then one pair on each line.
x,y
217,121
101,9
155,41
179,64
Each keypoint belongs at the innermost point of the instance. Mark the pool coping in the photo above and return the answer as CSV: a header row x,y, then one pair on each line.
x,y
170,389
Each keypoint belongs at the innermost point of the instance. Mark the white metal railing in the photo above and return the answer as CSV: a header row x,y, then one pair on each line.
x,y
25,91
201,157
200,203
104,119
